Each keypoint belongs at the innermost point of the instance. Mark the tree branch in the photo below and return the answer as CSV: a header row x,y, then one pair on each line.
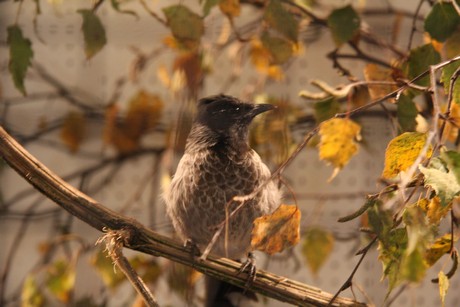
x,y
145,240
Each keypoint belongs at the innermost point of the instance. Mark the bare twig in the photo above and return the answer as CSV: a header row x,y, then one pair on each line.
x,y
114,246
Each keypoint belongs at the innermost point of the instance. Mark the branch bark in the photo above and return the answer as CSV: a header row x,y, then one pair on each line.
x,y
140,238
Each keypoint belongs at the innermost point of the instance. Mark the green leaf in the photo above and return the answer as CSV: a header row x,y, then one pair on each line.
x,y
413,267
326,109
344,24
208,5
391,251
317,247
443,286
93,33
283,21
21,55
279,48
380,221
406,113
452,45
186,26
443,181
447,73
116,7
442,21
419,61
452,160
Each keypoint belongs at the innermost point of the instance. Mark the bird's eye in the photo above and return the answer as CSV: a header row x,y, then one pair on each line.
x,y
237,109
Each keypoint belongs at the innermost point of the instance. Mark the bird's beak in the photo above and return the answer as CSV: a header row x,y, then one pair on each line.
x,y
261,108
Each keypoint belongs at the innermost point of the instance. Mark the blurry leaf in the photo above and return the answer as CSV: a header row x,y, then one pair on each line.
x,y
116,7
31,295
106,269
419,60
144,112
374,72
406,113
326,109
73,130
147,267
452,45
442,177
433,209
182,279
401,153
280,49
190,63
452,160
413,267
438,249
344,24
260,58
451,128
360,96
275,232
317,247
442,21
21,55
380,221
337,145
391,252
230,7
60,279
208,5
186,26
93,33
443,287
447,73
281,20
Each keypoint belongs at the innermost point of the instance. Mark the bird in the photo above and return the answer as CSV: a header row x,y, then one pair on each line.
x,y
218,165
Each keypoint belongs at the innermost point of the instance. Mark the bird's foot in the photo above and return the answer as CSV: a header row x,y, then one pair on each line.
x,y
193,247
250,267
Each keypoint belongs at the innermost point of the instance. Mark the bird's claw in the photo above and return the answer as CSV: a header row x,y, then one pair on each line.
x,y
193,247
250,267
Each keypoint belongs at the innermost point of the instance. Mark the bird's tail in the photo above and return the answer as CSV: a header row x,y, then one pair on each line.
x,y
222,294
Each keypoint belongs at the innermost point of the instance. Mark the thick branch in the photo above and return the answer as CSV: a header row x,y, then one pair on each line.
x,y
145,240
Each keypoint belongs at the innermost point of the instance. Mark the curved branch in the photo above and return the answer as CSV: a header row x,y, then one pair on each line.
x,y
147,241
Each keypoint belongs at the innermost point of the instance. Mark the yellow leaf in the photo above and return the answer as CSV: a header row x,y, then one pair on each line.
x,y
438,249
374,72
230,7
337,144
261,59
434,210
443,286
401,153
275,232
317,247
73,131
31,295
451,128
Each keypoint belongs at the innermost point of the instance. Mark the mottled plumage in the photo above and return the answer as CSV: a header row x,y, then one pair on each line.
x,y
217,165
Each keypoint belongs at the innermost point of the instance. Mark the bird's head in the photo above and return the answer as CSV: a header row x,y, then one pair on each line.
x,y
227,115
